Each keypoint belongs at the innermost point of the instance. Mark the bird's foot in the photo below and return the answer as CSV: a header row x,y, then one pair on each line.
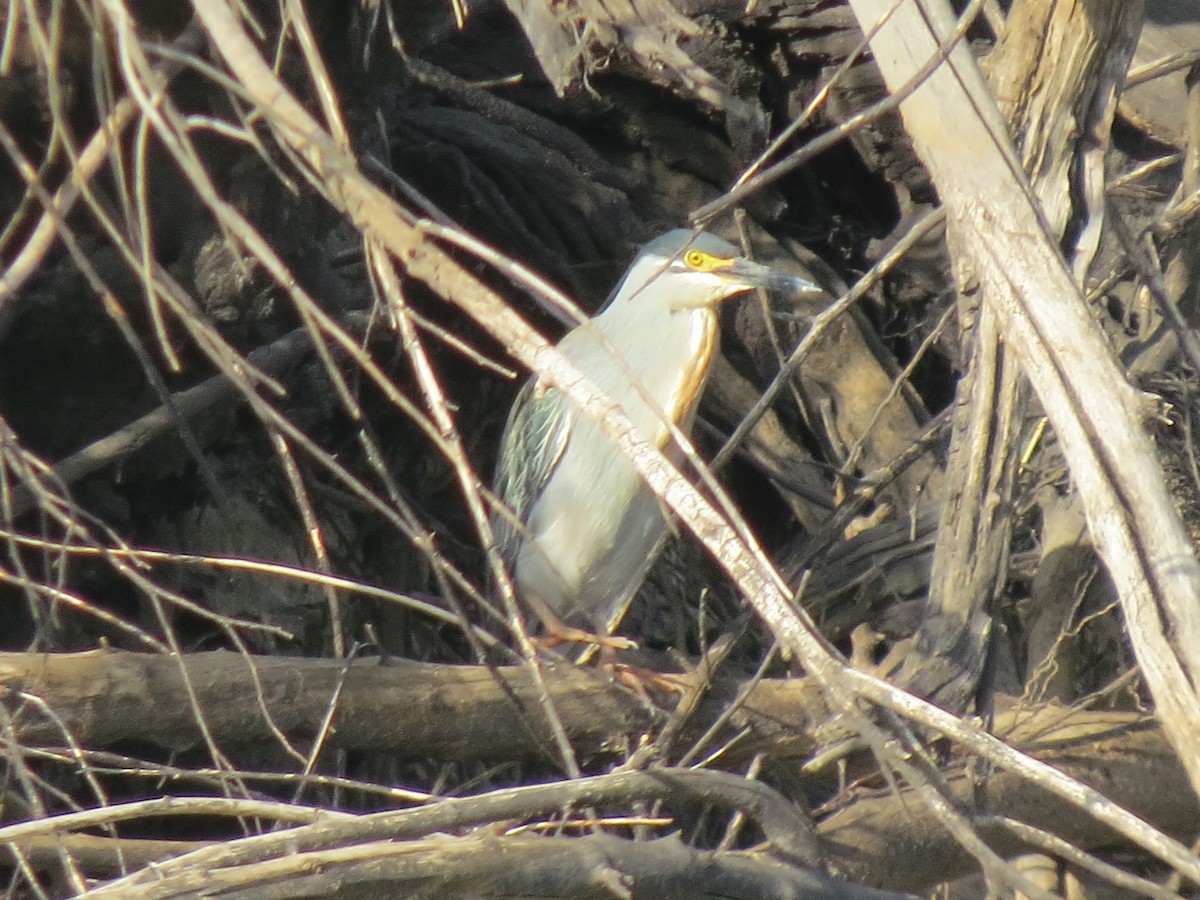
x,y
558,634
639,678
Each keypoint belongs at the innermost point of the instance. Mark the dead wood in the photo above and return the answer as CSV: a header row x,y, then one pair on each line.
x,y
1157,83
464,712
888,839
778,819
270,328
1089,401
1059,104
533,866
456,712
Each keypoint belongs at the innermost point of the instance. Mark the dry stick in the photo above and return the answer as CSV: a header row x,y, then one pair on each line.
x,y
261,567
598,714
746,189
171,806
903,377
67,519
100,856
821,323
70,601
1095,411
1158,68
153,593
83,167
1053,844
120,766
519,864
810,109
780,822
298,18
874,838
324,731
173,132
315,534
372,210
189,404
194,400
20,775
439,408
77,755
1070,81
116,314
1156,285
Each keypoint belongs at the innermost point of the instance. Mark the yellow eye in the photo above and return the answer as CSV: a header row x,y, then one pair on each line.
x,y
696,259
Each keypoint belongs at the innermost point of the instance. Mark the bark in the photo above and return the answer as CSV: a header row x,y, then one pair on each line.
x,y
467,713
1043,318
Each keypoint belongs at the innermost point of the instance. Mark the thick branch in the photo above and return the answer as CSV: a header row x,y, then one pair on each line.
x,y
1094,410
462,712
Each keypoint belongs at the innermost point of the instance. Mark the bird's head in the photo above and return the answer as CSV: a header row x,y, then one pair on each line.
x,y
683,269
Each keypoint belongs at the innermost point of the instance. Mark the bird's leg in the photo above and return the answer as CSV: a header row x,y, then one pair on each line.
x,y
559,632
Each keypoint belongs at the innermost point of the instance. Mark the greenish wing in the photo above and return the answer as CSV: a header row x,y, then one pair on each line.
x,y
535,437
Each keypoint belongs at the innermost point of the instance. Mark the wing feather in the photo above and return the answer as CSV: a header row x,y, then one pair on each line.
x,y
535,438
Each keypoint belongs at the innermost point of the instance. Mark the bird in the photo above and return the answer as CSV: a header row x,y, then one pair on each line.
x,y
576,525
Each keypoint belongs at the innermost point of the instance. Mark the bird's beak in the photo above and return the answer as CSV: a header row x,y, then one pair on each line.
x,y
757,275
